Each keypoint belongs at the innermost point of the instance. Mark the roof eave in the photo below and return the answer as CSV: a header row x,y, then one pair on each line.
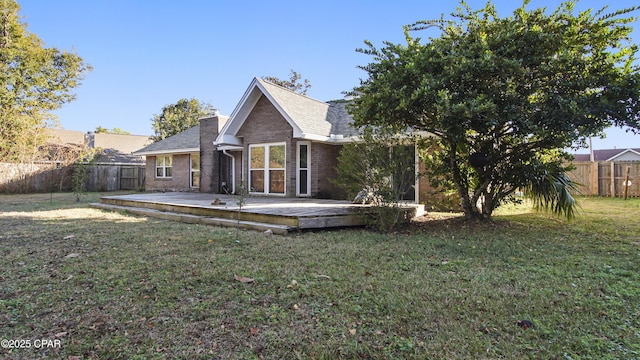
x,y
168,152
228,140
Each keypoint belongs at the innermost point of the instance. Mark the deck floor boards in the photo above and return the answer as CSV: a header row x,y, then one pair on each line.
x,y
306,212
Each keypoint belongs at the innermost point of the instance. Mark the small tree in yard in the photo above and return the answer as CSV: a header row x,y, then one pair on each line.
x,y
504,96
81,172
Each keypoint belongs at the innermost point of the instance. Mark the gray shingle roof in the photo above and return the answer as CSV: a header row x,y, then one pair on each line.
x,y
310,118
340,119
308,114
125,144
188,140
109,156
62,136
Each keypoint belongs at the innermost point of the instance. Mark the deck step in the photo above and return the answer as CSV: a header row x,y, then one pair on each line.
x,y
195,219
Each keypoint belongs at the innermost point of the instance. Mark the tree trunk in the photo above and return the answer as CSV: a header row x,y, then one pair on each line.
x,y
470,210
488,205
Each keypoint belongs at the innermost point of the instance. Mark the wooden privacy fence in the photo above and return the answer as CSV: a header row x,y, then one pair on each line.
x,y
47,176
115,177
607,178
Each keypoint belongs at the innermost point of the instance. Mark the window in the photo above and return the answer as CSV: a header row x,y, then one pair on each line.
x,y
195,171
303,169
163,166
256,170
267,168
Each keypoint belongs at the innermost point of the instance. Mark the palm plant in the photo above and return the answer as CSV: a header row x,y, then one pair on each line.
x,y
554,191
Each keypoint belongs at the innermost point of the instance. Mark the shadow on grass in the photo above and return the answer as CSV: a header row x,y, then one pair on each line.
x,y
148,288
50,201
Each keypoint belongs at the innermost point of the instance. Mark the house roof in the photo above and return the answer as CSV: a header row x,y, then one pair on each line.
x,y
125,144
62,136
114,148
606,154
110,156
310,118
187,141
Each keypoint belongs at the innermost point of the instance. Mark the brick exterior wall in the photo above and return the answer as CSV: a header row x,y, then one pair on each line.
x,y
435,199
180,180
324,159
209,156
265,125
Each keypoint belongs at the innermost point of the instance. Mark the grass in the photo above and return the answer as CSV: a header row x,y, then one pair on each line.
x,y
115,286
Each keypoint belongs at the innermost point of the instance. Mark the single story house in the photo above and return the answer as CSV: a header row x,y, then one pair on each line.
x,y
276,143
187,161
610,155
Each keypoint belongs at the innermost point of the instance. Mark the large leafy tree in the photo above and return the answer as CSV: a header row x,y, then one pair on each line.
x,y
295,82
178,117
34,81
505,95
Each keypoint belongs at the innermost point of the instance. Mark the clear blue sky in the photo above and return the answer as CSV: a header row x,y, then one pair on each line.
x,y
150,53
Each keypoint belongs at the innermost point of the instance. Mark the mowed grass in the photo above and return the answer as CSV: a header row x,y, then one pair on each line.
x,y
115,286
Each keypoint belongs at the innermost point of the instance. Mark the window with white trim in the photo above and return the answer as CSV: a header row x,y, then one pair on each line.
x,y
195,171
303,168
164,166
267,168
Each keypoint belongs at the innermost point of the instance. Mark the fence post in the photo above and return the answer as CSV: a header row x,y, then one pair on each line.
x,y
594,183
613,179
626,181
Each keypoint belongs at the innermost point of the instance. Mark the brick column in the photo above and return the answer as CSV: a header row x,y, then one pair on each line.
x,y
209,157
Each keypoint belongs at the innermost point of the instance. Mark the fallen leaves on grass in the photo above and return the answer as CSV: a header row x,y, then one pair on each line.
x,y
242,279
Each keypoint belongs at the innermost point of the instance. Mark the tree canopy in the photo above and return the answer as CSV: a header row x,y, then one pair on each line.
x,y
505,96
294,83
117,131
34,81
179,117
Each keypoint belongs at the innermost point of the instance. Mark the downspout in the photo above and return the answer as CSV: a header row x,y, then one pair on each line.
x,y
233,171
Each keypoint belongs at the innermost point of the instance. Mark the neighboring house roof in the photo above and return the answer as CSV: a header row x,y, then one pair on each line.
x,y
61,136
125,144
187,141
610,155
310,119
115,157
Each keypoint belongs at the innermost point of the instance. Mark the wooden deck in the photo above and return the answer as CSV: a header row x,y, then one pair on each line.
x,y
280,215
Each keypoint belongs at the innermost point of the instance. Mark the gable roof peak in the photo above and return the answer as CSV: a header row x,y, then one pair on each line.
x,y
309,118
268,83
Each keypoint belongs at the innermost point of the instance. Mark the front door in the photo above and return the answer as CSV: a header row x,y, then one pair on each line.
x,y
303,169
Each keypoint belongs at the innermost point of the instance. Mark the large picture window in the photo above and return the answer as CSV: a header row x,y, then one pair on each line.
x,y
164,165
267,168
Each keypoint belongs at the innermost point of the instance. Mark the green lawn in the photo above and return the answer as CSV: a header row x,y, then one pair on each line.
x,y
111,285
